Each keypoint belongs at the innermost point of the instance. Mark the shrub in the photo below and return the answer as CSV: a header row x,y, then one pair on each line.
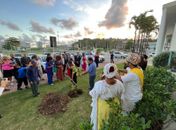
x,y
118,121
156,104
86,125
161,60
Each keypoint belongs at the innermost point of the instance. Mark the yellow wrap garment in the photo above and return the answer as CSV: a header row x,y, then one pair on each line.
x,y
140,74
103,110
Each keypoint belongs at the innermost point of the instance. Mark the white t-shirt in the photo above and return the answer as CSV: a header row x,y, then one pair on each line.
x,y
132,87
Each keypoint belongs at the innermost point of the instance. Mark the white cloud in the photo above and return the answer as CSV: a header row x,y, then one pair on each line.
x,y
10,25
65,23
116,15
36,27
45,2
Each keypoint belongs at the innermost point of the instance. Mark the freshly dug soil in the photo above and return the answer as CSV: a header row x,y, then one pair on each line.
x,y
75,93
53,103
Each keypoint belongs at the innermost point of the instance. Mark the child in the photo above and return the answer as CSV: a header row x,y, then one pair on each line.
x,y
33,77
22,78
49,70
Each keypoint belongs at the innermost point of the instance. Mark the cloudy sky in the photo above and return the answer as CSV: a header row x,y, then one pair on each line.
x,y
33,20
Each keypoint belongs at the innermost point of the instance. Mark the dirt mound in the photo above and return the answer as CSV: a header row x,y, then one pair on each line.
x,y
75,93
53,103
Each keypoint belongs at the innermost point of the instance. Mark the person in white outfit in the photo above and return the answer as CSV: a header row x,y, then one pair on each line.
x,y
108,89
133,83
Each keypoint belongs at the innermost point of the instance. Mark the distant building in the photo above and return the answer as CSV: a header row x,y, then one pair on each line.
x,y
151,48
167,33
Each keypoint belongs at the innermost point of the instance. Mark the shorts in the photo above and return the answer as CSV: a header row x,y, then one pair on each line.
x,y
8,73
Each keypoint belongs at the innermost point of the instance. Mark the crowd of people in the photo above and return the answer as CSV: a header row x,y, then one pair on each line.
x,y
30,70
124,88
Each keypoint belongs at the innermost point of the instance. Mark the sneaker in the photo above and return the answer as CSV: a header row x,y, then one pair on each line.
x,y
19,89
51,84
27,87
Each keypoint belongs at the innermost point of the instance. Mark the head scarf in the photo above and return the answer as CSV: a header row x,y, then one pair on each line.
x,y
134,59
107,70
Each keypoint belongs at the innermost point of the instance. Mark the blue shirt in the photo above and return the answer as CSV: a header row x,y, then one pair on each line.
x,y
33,73
92,69
49,67
22,72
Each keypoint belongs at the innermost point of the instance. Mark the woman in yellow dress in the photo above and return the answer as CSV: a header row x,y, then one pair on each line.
x,y
109,88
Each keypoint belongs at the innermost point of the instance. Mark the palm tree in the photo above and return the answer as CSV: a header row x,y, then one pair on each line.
x,y
143,25
134,23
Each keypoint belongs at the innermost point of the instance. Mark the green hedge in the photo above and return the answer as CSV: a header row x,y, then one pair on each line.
x,y
161,60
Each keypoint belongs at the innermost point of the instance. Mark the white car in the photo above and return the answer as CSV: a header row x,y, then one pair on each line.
x,y
43,60
18,55
121,55
101,58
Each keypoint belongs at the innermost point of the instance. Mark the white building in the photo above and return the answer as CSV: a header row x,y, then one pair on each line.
x,y
167,33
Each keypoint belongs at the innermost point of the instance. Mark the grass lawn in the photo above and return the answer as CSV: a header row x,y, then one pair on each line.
x,y
20,109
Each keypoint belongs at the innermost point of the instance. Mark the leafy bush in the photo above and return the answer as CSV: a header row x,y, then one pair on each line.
x,y
161,60
118,121
86,125
156,103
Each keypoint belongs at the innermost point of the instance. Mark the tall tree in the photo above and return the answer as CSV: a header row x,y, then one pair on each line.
x,y
11,43
144,24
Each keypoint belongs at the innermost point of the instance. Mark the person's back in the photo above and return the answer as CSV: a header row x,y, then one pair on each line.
x,y
32,73
22,72
109,89
7,65
106,91
92,69
132,87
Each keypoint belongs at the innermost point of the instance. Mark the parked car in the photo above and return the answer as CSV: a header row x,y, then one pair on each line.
x,y
43,60
101,58
18,55
118,54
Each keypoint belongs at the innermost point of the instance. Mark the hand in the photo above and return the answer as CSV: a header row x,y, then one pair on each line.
x,y
102,77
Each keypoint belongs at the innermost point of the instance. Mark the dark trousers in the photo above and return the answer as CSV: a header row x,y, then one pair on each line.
x,y
34,87
97,62
22,80
50,77
75,78
91,81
